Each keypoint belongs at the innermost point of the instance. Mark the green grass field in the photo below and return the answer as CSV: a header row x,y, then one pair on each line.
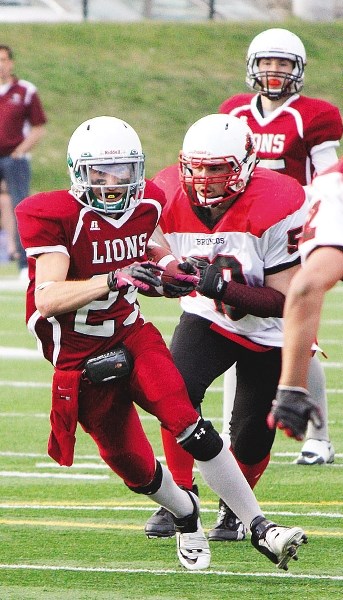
x,y
160,77
78,533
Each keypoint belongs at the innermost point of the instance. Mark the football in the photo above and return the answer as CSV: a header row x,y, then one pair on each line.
x,y
176,282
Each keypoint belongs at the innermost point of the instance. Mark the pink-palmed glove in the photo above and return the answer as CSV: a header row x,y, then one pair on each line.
x,y
142,275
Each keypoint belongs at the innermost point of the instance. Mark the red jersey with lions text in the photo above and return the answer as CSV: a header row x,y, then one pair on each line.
x,y
285,138
96,244
258,235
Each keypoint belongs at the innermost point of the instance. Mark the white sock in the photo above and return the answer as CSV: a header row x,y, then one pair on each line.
x,y
229,392
225,478
317,389
173,498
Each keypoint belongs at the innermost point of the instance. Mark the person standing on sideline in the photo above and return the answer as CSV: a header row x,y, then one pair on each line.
x,y
239,224
22,125
296,135
321,248
8,224
87,253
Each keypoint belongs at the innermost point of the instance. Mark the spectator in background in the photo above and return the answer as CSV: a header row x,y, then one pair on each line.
x,y
7,225
22,125
321,249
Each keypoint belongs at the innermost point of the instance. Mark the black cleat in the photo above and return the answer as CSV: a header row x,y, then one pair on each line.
x,y
228,528
161,523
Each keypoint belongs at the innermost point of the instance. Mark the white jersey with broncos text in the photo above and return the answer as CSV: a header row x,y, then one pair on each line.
x,y
258,235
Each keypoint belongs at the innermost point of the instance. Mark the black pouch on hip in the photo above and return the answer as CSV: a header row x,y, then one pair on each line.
x,y
111,365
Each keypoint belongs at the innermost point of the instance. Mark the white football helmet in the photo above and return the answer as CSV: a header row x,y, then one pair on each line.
x,y
276,43
106,145
217,139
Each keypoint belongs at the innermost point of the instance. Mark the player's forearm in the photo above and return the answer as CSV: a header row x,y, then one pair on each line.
x,y
303,306
59,297
29,142
301,322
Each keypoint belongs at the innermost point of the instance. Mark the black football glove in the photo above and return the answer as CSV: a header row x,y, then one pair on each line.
x,y
211,282
184,283
292,409
141,275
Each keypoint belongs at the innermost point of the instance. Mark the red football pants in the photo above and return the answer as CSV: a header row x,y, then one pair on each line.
x,y
107,412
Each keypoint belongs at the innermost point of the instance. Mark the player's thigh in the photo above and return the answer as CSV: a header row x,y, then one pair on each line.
x,y
156,384
108,414
200,354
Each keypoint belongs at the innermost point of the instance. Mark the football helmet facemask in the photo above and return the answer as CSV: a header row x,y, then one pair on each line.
x,y
103,147
217,140
276,43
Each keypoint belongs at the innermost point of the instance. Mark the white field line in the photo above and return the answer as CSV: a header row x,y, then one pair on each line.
x,y
32,475
95,457
42,384
143,417
74,473
209,573
25,384
23,415
19,354
104,478
132,508
7,352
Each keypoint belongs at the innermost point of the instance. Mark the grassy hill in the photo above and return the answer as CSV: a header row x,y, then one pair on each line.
x,y
160,77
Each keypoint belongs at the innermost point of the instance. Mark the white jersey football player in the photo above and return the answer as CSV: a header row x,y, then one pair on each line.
x,y
296,135
240,225
321,249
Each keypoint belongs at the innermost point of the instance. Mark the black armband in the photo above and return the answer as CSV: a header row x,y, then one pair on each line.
x,y
153,486
258,301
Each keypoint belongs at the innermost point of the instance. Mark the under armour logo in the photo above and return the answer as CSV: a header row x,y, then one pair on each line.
x,y
200,433
94,226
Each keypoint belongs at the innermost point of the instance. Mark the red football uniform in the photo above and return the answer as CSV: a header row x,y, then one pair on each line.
x,y
286,137
96,244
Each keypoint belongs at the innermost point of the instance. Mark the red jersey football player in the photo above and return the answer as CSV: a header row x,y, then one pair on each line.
x,y
293,133
240,225
87,252
298,136
321,248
